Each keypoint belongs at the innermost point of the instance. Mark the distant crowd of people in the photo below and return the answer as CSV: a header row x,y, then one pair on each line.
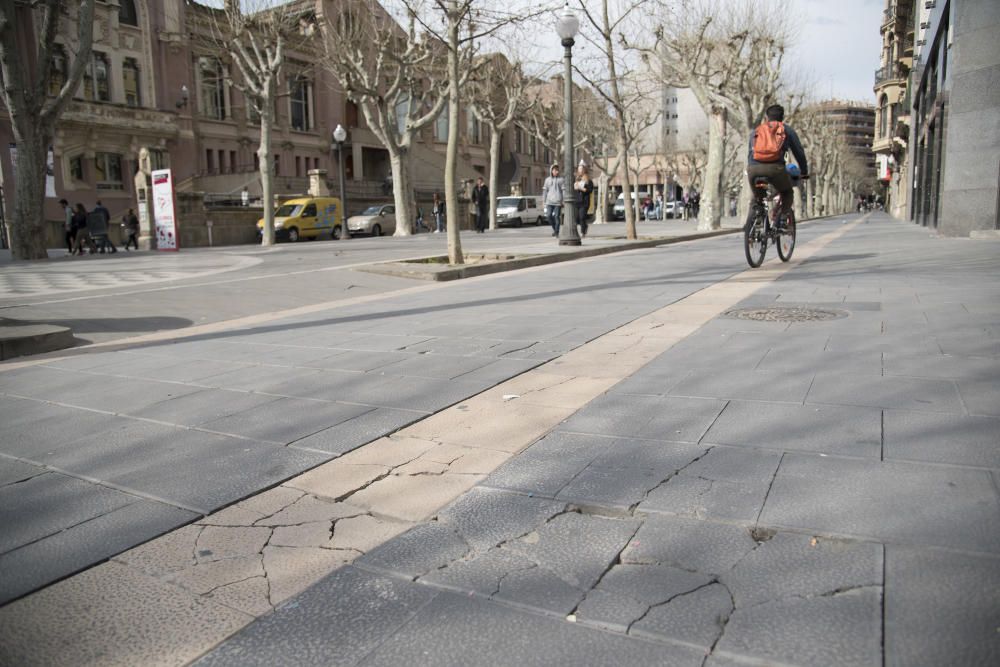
x,y
82,237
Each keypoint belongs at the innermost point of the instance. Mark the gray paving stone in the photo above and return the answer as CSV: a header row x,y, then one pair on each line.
x,y
786,356
416,552
627,592
415,394
85,544
185,467
694,617
747,385
922,394
256,378
201,407
352,361
12,471
916,436
689,544
844,343
484,574
438,366
285,420
726,484
941,608
981,398
842,629
623,475
889,501
661,418
52,428
338,621
969,369
792,565
549,464
49,503
454,630
357,431
118,395
485,517
849,431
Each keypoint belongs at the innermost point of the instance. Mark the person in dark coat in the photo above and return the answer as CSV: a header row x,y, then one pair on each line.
x,y
438,209
68,227
584,188
481,200
130,225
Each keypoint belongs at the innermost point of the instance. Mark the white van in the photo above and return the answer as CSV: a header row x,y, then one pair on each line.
x,y
618,212
519,211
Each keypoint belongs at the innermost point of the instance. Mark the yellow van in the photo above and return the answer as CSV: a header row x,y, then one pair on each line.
x,y
306,218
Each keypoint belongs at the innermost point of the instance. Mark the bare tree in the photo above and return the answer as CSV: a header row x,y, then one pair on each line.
x,y
609,23
497,98
255,36
393,74
26,79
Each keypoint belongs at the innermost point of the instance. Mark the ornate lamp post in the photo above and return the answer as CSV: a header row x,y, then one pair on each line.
x,y
566,27
339,136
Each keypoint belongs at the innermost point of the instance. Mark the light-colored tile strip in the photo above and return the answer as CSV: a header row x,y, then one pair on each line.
x,y
167,601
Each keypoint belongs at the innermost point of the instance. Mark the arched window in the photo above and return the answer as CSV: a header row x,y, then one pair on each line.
x,y
883,113
126,13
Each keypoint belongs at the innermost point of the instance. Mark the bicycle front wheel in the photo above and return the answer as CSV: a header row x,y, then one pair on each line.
x,y
755,238
786,239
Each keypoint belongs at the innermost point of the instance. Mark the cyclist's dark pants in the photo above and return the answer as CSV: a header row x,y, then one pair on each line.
x,y
782,182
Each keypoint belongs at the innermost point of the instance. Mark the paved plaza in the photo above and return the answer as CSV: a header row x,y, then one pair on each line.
x,y
648,457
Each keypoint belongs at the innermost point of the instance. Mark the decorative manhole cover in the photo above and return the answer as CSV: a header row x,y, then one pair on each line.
x,y
786,314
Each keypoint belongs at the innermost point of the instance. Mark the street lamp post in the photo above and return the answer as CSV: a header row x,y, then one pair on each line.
x,y
339,136
566,27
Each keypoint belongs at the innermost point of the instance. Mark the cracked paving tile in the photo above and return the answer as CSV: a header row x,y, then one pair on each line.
x,y
481,574
170,553
249,596
309,509
486,518
413,497
391,451
689,544
364,533
231,516
796,565
292,570
628,592
338,479
698,616
205,577
416,552
223,542
271,501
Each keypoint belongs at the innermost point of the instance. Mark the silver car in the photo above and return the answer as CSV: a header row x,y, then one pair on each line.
x,y
375,220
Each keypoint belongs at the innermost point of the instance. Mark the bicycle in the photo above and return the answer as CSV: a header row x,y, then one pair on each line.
x,y
759,230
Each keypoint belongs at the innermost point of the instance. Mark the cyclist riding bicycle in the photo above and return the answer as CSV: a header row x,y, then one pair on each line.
x,y
769,142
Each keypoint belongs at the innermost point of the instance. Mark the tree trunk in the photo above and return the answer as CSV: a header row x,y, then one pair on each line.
x,y
710,216
494,175
601,202
402,191
27,228
266,164
455,255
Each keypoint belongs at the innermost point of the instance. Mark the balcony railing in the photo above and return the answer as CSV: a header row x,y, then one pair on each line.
x,y
890,73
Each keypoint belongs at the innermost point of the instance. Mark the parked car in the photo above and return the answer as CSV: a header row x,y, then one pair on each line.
x,y
618,212
305,218
375,220
671,209
518,211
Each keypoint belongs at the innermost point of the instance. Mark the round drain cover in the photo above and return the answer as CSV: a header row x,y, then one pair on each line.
x,y
786,314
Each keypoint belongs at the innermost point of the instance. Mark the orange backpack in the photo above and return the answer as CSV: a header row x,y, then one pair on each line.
x,y
769,141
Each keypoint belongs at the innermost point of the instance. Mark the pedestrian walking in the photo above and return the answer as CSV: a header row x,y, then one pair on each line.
x,y
68,229
245,196
104,239
81,237
130,226
481,200
438,210
419,222
584,188
658,212
552,197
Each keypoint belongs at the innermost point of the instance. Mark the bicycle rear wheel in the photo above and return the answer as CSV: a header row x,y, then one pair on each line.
x,y
755,237
786,239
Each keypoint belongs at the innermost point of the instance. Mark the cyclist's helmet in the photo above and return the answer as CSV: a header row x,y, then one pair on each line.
x,y
793,171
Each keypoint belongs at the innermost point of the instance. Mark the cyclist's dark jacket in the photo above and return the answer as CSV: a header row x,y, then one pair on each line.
x,y
791,143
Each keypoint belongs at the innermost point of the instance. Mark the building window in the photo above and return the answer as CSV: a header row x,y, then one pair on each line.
x,y
533,147
351,114
210,160
76,168
518,140
108,170
441,126
222,162
157,159
300,101
298,166
475,134
233,167
212,91
883,112
277,165
126,13
95,79
256,162
130,82
57,72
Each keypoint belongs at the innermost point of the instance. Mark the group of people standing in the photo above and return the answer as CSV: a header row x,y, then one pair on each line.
x,y
80,239
553,195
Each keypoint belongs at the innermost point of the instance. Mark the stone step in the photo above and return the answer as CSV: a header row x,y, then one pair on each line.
x,y
19,339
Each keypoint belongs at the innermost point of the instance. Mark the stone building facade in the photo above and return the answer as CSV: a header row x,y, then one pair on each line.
x,y
155,83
